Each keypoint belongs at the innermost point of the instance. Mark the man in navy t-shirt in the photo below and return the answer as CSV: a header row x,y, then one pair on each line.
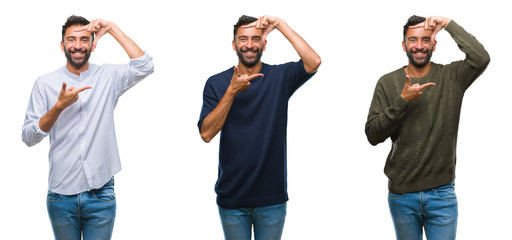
x,y
249,103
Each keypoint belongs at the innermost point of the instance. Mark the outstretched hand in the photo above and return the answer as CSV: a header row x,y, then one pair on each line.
x,y
411,93
240,83
69,96
267,23
435,24
97,26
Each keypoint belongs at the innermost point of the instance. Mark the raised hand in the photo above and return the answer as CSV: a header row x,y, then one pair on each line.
x,y
68,96
411,93
267,23
240,83
435,24
97,26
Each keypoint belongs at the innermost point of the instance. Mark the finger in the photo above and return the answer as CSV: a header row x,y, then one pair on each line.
x,y
433,36
426,85
254,76
64,86
407,81
82,88
82,28
419,25
235,72
250,25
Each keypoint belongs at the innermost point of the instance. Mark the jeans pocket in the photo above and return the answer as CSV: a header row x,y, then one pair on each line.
x,y
395,196
446,192
105,194
53,197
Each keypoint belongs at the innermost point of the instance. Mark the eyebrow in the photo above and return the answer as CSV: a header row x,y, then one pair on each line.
x,y
245,36
414,37
82,37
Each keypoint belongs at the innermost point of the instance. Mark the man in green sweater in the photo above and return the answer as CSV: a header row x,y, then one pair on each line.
x,y
418,107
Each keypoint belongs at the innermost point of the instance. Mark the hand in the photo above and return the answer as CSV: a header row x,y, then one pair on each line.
x,y
241,83
98,26
267,23
411,93
435,24
68,96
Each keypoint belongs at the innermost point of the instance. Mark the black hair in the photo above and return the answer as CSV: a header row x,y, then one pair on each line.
x,y
413,20
243,20
72,21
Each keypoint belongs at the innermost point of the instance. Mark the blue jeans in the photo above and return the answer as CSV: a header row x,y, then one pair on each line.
x,y
433,209
91,213
268,222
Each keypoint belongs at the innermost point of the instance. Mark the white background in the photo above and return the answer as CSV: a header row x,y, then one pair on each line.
x,y
337,187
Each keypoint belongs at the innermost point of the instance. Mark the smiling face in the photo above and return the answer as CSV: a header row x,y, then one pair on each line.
x,y
418,46
249,45
77,47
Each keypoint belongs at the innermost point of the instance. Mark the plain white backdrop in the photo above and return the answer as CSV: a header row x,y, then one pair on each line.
x,y
337,187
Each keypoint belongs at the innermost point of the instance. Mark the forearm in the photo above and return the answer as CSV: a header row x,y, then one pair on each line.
x,y
48,120
215,120
381,124
309,57
127,43
476,55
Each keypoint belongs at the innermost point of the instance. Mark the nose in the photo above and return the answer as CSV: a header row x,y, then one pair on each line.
x,y
76,44
250,43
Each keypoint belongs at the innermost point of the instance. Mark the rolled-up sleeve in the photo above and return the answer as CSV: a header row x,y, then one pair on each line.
x,y
37,107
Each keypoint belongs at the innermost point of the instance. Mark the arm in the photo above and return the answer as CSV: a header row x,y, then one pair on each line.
x,y
477,58
100,27
386,112
66,98
36,127
309,57
215,120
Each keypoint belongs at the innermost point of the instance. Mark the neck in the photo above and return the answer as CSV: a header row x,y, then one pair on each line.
x,y
249,70
418,72
74,70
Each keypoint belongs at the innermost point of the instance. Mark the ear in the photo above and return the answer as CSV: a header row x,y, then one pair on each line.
x,y
62,46
264,44
404,47
434,44
233,43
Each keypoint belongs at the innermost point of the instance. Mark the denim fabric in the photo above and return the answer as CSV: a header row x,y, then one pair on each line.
x,y
268,222
89,213
434,209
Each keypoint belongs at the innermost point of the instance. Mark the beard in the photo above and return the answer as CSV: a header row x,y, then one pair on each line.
x,y
419,63
77,62
249,62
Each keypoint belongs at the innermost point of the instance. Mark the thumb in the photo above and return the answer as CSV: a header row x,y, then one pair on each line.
x,y
235,72
407,81
64,86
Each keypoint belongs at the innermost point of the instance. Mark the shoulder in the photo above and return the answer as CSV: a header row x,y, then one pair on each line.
x,y
221,76
392,76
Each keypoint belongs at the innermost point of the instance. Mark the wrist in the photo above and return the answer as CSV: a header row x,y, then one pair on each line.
x,y
59,107
406,97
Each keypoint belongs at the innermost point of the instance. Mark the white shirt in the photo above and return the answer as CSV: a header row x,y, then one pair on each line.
x,y
83,147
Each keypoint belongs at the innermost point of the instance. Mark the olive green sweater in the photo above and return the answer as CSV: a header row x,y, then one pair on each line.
x,y
424,131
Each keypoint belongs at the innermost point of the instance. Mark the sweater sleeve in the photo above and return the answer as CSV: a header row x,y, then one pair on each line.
x,y
477,58
384,116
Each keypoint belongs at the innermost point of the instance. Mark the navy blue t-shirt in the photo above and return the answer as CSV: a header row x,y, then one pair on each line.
x,y
252,153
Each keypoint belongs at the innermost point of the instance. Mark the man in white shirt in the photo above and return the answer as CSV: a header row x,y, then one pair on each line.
x,y
79,121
